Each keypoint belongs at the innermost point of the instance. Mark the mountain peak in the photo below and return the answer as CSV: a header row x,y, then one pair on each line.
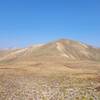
x,y
69,42
63,40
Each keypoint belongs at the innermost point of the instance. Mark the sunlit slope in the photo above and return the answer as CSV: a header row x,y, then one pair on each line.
x,y
58,50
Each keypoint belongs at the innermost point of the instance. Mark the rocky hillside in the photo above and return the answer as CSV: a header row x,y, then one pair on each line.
x,y
61,49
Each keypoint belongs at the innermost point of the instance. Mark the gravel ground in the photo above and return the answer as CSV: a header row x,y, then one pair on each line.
x,y
30,87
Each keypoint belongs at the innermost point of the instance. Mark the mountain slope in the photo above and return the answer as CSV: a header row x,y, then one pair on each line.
x,y
57,50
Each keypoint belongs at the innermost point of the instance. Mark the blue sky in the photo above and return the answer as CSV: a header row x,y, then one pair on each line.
x,y
27,22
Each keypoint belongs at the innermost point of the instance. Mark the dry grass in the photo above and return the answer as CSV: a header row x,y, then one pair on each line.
x,y
49,81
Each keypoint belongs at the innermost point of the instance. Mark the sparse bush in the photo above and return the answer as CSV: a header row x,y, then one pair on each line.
x,y
91,98
84,98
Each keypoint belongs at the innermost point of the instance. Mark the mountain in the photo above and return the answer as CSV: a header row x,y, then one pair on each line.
x,y
62,49
57,56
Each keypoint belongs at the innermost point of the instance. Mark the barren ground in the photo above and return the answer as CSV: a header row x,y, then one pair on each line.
x,y
34,81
